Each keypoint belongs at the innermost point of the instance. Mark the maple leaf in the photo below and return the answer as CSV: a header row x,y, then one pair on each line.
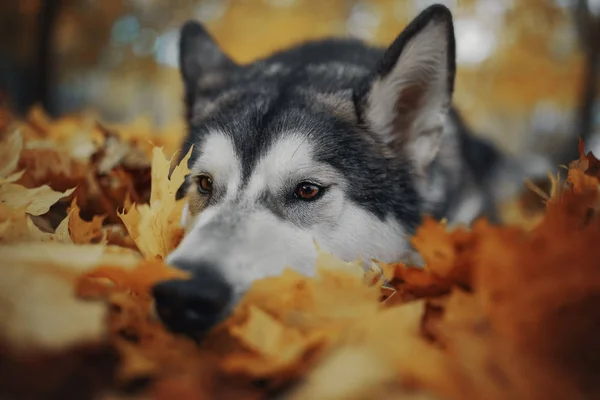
x,y
46,162
155,227
275,349
374,353
81,231
36,201
447,254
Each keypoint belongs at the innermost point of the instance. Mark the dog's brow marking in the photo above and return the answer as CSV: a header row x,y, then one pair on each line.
x,y
285,158
220,159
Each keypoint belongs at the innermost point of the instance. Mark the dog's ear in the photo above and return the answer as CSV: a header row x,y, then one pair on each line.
x,y
408,97
199,55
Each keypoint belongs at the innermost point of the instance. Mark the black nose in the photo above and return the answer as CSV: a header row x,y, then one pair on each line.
x,y
195,305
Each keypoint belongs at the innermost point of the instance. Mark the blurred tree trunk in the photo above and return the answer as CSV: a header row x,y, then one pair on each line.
x,y
43,60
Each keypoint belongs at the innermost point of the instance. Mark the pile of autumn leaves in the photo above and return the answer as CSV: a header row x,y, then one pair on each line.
x,y
497,313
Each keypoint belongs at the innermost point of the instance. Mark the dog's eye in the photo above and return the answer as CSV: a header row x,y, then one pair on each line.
x,y
204,184
308,191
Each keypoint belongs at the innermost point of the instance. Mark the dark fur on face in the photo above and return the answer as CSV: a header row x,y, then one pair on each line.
x,y
320,87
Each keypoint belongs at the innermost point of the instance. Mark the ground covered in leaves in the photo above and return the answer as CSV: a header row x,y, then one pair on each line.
x,y
88,212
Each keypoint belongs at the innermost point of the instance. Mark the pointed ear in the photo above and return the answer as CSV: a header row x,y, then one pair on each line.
x,y
407,99
199,55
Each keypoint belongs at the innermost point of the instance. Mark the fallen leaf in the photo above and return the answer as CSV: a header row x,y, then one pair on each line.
x,y
155,227
36,201
44,162
16,226
587,163
84,232
36,290
139,280
62,234
274,348
447,254
10,149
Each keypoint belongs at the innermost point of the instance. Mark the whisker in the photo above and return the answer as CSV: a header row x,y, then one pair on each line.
x,y
300,145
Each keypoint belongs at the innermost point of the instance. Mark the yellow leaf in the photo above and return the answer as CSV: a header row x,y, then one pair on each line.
x,y
374,353
275,348
155,227
12,177
269,338
61,234
16,226
38,308
10,151
349,373
326,260
36,201
84,232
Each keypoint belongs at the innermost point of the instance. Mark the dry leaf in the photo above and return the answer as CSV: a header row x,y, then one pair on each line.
x,y
62,234
412,283
274,348
16,226
349,373
138,280
35,201
10,149
45,163
155,227
447,255
84,232
36,290
587,163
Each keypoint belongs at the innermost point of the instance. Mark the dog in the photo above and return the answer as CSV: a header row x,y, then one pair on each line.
x,y
333,142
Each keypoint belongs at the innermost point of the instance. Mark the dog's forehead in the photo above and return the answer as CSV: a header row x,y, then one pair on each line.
x,y
259,122
290,155
291,159
219,158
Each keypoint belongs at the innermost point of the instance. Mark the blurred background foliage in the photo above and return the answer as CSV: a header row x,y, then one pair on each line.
x,y
527,79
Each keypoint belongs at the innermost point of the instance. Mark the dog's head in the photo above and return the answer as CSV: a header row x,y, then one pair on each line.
x,y
326,143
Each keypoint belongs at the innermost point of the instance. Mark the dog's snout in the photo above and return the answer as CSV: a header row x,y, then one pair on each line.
x,y
194,305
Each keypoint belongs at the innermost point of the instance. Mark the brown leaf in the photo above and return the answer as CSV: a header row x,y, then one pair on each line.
x,y
84,232
447,255
49,164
